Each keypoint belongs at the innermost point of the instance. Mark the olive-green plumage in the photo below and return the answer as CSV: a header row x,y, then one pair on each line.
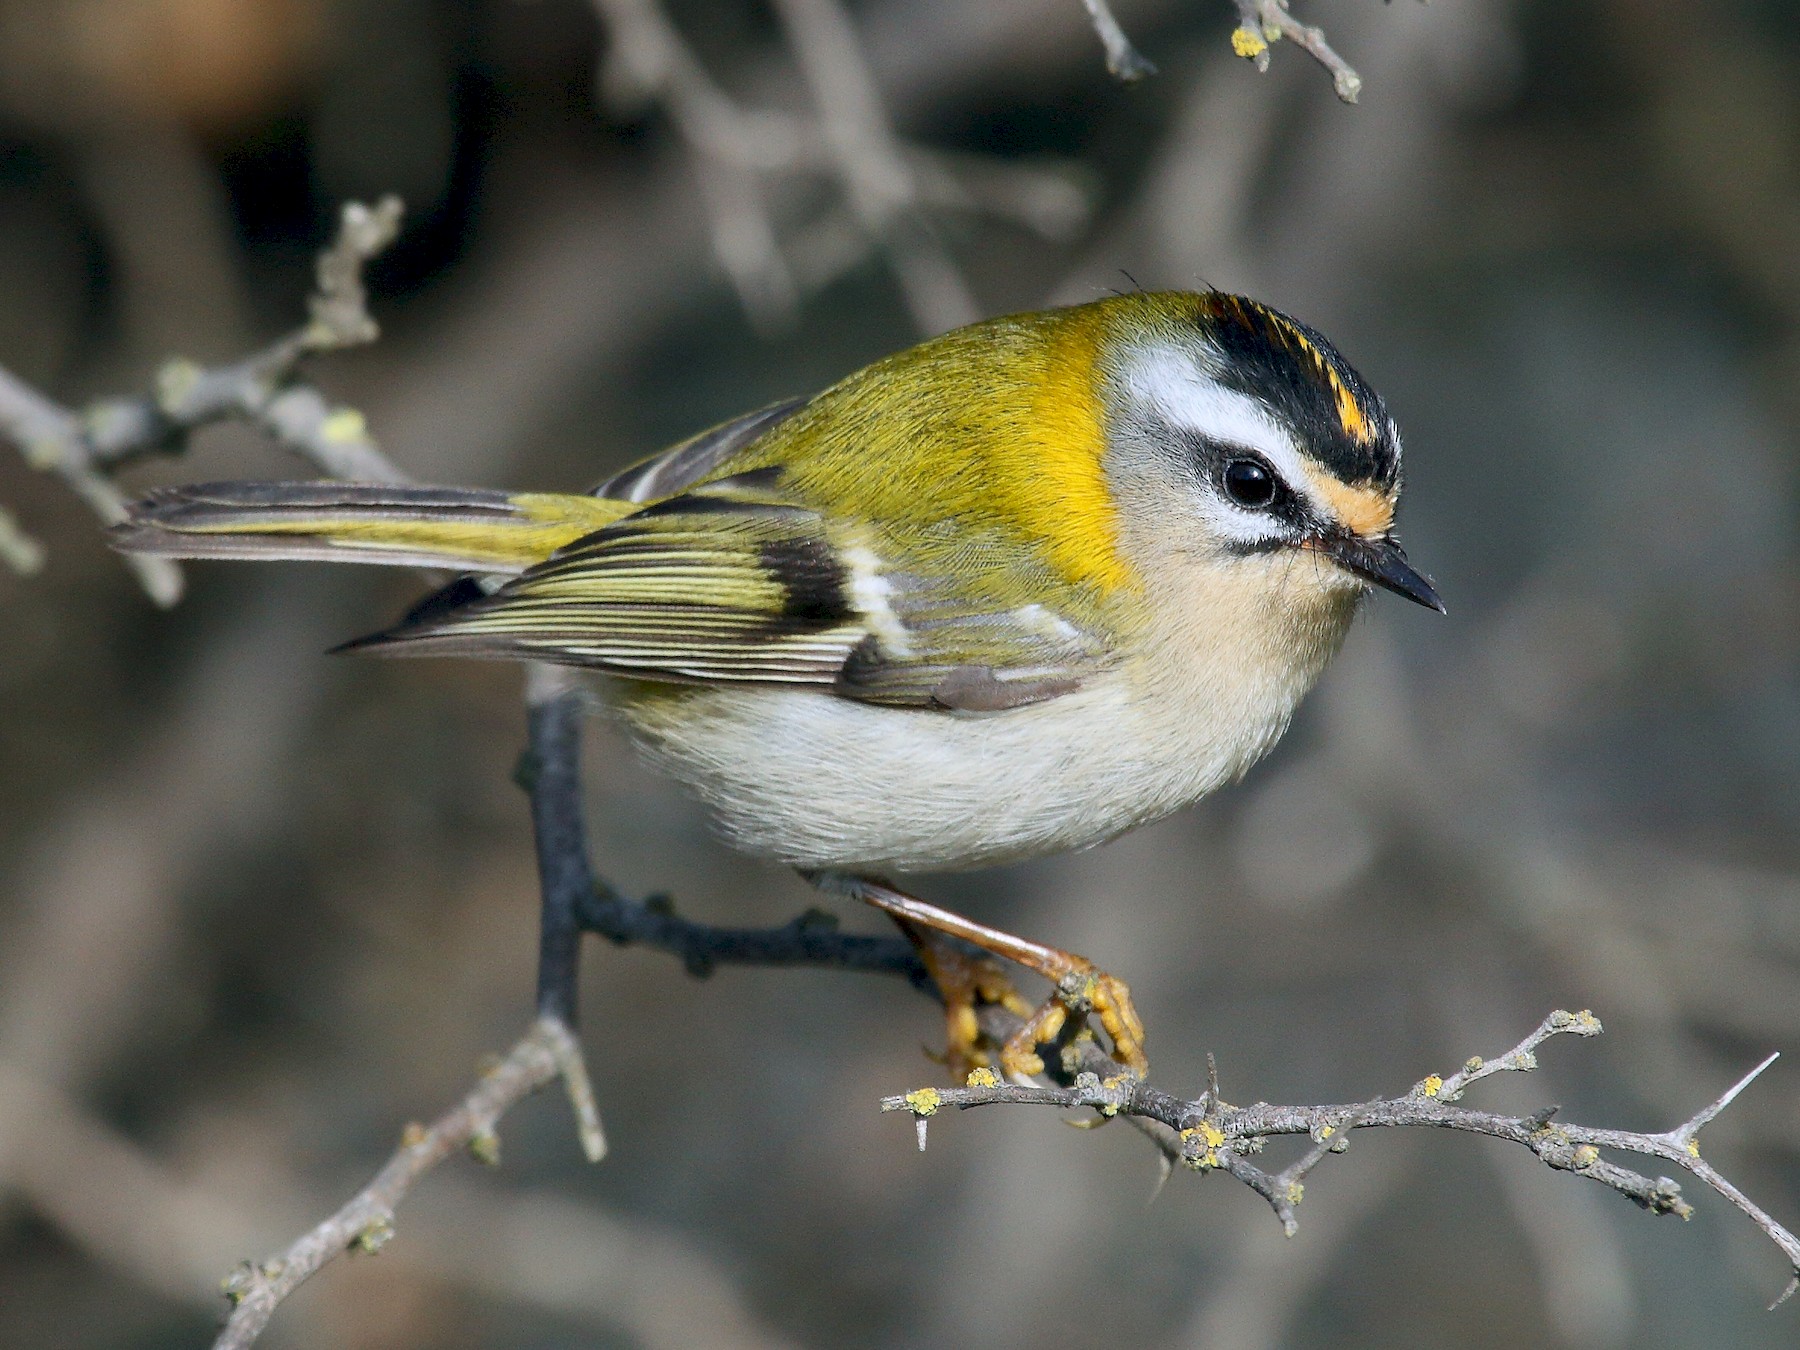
x,y
1119,540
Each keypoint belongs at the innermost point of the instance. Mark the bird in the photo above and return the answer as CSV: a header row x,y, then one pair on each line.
x,y
1016,590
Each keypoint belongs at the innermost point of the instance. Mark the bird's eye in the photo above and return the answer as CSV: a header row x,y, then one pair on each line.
x,y
1249,484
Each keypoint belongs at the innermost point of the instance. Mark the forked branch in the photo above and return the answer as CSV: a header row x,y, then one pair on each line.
x,y
86,448
1207,1133
1202,1134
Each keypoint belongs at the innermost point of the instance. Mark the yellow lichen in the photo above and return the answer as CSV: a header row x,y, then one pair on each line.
x,y
373,1236
1693,1148
1114,1084
175,382
1296,1192
1200,1145
1585,1156
1473,1064
1248,43
924,1102
344,425
1432,1085
982,1078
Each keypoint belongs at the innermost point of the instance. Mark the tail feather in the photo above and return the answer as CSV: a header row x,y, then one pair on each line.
x,y
469,529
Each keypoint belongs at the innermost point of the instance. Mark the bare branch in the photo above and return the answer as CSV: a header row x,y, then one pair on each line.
x,y
53,439
1203,1134
1124,61
878,182
366,1222
1213,1135
1263,22
886,185
85,450
261,388
573,902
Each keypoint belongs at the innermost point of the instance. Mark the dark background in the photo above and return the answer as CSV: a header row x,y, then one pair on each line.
x,y
258,908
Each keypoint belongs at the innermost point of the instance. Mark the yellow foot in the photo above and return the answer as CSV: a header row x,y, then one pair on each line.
x,y
1080,989
966,983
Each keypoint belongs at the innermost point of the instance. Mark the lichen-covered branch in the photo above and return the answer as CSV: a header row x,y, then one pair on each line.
x,y
1207,1133
1261,23
85,449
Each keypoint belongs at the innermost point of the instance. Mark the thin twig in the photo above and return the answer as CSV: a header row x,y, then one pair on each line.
x,y
262,387
1215,1136
366,1222
879,184
18,550
1123,60
1263,22
85,449
886,185
53,439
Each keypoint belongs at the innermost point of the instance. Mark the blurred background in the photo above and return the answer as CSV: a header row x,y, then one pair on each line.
x,y
258,908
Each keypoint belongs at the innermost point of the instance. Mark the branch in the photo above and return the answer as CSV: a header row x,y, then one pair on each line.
x,y
366,1222
878,182
1261,23
86,449
886,186
1123,61
1204,1134
53,439
1264,22
1207,1133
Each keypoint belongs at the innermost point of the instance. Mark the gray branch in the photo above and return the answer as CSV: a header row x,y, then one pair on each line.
x,y
256,1288
1261,23
1123,60
1208,1133
85,449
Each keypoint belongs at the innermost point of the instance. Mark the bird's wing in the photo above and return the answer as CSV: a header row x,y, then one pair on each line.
x,y
734,582
681,466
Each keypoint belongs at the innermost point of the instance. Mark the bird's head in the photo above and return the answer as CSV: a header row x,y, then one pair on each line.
x,y
1241,438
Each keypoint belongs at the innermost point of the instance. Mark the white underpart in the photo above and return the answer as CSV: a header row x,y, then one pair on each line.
x,y
1174,382
829,783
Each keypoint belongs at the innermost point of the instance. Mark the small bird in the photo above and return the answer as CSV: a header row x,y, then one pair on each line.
x,y
1016,590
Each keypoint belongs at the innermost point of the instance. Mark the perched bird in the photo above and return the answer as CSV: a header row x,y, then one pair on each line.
x,y
1016,590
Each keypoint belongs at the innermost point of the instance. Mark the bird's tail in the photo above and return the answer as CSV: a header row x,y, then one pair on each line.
x,y
467,529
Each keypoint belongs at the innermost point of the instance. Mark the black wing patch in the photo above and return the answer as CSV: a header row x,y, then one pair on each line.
x,y
695,589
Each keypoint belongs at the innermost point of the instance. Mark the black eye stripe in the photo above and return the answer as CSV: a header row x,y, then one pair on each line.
x,y
1211,458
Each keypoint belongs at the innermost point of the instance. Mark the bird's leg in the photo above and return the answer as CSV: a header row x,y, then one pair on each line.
x,y
965,982
1078,986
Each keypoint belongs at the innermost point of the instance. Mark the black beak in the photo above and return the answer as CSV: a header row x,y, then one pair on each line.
x,y
1383,563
